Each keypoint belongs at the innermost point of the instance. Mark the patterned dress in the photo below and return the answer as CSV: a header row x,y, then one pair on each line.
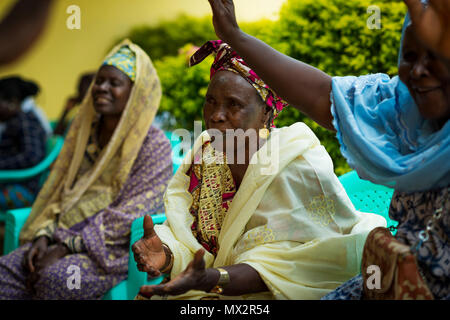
x,y
100,244
413,211
212,188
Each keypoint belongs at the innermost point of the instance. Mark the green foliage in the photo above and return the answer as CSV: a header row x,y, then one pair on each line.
x,y
184,89
334,37
331,35
166,38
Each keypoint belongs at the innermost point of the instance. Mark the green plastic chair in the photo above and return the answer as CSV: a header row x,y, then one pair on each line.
x,y
53,147
367,196
175,144
15,219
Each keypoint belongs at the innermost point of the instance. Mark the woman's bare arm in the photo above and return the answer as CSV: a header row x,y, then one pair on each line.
x,y
301,85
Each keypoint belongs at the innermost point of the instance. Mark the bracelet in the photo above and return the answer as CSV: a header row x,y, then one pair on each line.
x,y
224,279
169,259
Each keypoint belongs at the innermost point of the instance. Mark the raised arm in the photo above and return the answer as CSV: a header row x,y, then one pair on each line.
x,y
301,85
21,28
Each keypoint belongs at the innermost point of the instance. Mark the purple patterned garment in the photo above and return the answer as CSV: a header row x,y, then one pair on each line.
x,y
413,211
103,260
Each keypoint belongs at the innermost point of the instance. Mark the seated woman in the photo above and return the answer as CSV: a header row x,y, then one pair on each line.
x,y
263,219
114,167
22,139
393,131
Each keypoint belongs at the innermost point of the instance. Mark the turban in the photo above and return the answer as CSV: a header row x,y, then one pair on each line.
x,y
124,60
227,59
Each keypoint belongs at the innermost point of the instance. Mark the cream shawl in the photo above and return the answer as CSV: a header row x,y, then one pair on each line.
x,y
291,220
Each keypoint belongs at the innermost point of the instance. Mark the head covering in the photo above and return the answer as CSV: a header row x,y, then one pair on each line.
x,y
16,87
384,137
65,187
227,59
124,60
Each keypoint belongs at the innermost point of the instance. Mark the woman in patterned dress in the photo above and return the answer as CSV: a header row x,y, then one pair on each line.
x,y
252,212
393,132
114,167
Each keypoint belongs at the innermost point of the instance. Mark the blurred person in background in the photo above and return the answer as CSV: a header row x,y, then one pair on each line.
x,y
23,134
72,102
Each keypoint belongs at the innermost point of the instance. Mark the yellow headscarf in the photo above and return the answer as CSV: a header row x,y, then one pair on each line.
x,y
65,189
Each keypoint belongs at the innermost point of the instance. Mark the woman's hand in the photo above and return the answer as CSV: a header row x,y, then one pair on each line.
x,y
51,256
432,24
36,253
194,277
148,251
54,253
224,19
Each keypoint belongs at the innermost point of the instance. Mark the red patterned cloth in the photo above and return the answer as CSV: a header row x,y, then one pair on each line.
x,y
212,188
228,59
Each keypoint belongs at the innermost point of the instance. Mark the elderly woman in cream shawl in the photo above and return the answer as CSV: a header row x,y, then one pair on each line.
x,y
275,225
114,167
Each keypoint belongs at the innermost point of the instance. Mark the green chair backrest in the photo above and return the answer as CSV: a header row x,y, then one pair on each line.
x,y
175,142
367,196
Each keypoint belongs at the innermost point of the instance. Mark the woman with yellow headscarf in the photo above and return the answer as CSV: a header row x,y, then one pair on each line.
x,y
114,168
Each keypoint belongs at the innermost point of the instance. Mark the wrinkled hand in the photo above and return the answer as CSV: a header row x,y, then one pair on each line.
x,y
37,251
224,19
51,256
432,24
192,278
148,251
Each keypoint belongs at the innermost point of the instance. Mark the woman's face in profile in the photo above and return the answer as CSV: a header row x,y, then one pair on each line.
x,y
111,91
427,78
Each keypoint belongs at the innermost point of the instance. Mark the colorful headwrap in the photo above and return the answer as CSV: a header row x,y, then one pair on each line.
x,y
124,60
228,59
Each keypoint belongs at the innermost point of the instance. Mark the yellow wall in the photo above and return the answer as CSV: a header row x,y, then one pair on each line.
x,y
61,55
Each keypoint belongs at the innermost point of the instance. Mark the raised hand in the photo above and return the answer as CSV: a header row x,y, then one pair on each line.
x,y
224,19
432,24
193,277
148,251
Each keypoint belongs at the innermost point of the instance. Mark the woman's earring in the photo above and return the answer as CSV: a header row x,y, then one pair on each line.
x,y
264,133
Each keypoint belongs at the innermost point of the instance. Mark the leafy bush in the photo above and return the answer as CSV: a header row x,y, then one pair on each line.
x,y
331,35
166,38
184,89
